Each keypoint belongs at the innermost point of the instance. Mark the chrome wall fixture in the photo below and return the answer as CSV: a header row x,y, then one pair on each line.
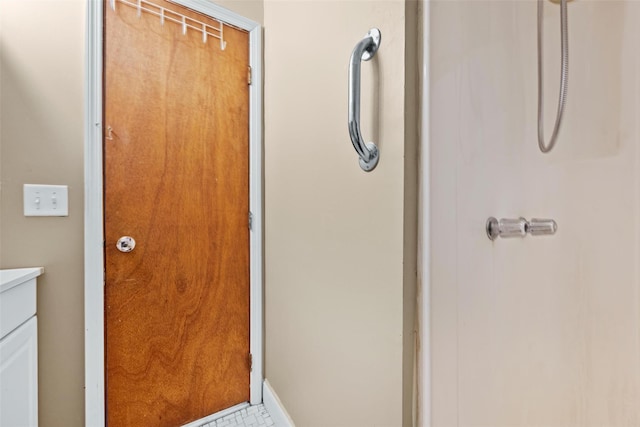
x,y
364,51
520,227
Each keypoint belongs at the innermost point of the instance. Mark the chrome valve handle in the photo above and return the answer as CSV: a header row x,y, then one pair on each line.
x,y
507,227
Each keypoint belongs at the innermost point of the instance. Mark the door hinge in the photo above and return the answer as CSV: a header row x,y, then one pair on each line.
x,y
250,362
249,77
250,221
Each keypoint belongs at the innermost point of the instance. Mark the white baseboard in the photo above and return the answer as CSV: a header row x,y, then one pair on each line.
x,y
275,408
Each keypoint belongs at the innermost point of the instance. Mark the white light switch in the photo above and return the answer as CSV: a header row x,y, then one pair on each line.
x,y
46,200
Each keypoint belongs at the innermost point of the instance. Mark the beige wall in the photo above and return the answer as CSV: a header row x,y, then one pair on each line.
x,y
252,9
538,331
41,142
338,325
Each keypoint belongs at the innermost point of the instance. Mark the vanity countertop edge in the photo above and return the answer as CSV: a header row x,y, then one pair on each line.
x,y
10,278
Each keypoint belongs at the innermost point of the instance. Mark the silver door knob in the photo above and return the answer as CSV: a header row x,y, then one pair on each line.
x,y
126,244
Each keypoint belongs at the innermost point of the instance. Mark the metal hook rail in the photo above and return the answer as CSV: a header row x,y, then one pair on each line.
x,y
364,51
184,21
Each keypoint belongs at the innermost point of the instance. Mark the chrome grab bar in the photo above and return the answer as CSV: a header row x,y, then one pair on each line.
x,y
364,51
507,227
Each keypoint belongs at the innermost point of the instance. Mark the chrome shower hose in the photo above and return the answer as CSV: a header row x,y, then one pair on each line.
x,y
564,76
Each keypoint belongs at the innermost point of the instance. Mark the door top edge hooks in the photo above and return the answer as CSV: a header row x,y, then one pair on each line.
x,y
184,21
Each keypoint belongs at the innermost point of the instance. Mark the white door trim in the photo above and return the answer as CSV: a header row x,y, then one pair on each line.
x,y
93,208
424,221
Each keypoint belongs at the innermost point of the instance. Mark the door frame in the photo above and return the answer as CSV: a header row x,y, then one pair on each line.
x,y
93,204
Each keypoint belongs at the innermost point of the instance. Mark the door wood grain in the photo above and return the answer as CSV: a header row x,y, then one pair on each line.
x,y
177,181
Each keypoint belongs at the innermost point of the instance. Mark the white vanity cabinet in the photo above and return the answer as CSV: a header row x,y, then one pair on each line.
x,y
18,348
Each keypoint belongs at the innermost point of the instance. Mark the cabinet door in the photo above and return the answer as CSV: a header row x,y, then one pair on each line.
x,y
19,376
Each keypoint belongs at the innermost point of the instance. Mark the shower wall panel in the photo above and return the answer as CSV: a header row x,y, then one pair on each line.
x,y
542,330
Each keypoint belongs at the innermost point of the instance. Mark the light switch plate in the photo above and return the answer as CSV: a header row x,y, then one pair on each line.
x,y
46,200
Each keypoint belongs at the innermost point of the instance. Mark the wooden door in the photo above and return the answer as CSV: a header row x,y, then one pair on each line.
x,y
176,153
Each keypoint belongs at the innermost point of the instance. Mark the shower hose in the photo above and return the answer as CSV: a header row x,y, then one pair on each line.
x,y
564,75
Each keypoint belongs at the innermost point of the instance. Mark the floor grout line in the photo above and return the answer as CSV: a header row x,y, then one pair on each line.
x,y
252,416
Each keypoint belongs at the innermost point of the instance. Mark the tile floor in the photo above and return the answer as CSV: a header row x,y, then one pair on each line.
x,y
253,416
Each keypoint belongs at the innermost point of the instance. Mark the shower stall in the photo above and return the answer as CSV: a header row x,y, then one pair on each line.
x,y
540,330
